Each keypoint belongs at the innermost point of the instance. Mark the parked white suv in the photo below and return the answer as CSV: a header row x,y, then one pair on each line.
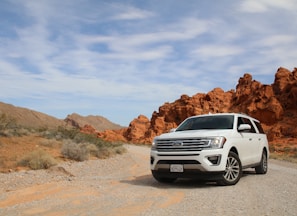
x,y
213,146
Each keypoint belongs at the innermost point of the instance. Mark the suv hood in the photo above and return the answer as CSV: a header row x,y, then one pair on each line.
x,y
194,133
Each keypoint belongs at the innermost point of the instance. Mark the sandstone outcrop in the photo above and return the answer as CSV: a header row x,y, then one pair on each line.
x,y
274,105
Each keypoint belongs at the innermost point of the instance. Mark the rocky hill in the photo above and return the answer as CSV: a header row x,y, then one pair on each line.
x,y
34,119
274,105
29,118
99,123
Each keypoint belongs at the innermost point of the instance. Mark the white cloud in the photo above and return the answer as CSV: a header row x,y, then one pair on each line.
x,y
258,6
277,40
208,51
127,12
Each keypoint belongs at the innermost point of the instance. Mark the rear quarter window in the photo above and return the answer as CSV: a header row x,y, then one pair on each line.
x,y
260,129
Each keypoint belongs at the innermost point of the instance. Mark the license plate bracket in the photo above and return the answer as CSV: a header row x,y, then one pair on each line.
x,y
179,168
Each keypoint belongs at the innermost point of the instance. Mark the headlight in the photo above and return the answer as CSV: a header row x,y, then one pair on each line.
x,y
217,142
154,145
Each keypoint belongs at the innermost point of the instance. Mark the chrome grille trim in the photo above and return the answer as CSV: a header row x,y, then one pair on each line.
x,y
177,145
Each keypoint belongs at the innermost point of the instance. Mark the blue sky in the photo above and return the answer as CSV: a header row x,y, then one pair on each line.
x,y
120,59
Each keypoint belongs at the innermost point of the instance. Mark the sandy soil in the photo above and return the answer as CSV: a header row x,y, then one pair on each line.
x,y
13,149
123,185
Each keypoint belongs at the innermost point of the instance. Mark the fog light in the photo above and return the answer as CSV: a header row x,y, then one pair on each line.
x,y
152,160
215,159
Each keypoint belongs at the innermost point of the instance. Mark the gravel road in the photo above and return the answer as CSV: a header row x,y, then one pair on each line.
x,y
123,185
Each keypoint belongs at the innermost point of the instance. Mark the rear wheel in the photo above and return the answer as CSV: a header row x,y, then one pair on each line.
x,y
162,179
233,170
263,166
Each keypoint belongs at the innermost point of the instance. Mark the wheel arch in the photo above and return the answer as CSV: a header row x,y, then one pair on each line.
x,y
234,150
266,151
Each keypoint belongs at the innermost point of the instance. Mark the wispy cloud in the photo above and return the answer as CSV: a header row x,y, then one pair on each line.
x,y
259,6
128,12
208,51
123,59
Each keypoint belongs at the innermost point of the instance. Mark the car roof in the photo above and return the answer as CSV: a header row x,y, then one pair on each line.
x,y
221,114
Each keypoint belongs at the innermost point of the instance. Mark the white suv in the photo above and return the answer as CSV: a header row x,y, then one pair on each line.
x,y
213,146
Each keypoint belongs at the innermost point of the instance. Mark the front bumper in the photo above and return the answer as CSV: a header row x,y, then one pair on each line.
x,y
194,163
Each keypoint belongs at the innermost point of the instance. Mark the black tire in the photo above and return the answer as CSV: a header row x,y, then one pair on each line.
x,y
233,170
162,179
263,166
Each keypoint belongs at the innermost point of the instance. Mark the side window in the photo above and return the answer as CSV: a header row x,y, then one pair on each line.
x,y
242,120
259,127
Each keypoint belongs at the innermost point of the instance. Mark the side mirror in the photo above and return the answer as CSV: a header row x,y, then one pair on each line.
x,y
172,130
244,127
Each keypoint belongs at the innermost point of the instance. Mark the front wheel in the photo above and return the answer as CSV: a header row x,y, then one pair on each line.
x,y
263,166
233,170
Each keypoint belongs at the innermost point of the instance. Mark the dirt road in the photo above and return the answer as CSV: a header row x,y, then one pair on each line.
x,y
123,186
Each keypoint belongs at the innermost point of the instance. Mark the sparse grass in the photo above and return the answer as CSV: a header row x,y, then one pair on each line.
x,y
82,151
284,157
48,143
1,162
68,141
285,153
80,146
38,159
61,133
105,152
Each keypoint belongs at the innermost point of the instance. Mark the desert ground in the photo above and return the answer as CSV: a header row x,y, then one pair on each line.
x,y
123,185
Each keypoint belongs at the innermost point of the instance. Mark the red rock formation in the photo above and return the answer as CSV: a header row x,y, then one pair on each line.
x,y
285,88
257,100
113,135
136,130
274,105
88,129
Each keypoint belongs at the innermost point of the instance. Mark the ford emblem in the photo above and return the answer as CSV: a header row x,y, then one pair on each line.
x,y
177,143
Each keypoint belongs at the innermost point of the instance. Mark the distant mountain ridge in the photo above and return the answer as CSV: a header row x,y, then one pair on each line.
x,y
34,119
30,118
99,123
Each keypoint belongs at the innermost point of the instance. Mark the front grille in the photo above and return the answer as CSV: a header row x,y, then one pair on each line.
x,y
177,145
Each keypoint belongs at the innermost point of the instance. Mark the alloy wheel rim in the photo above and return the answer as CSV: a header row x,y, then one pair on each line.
x,y
232,169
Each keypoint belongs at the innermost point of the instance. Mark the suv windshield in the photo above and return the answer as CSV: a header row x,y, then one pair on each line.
x,y
207,122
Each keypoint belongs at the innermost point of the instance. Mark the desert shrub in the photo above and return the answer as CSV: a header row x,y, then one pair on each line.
x,y
59,133
47,143
82,151
75,151
6,122
287,149
38,159
106,152
92,148
79,146
272,148
66,133
294,154
42,129
1,161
